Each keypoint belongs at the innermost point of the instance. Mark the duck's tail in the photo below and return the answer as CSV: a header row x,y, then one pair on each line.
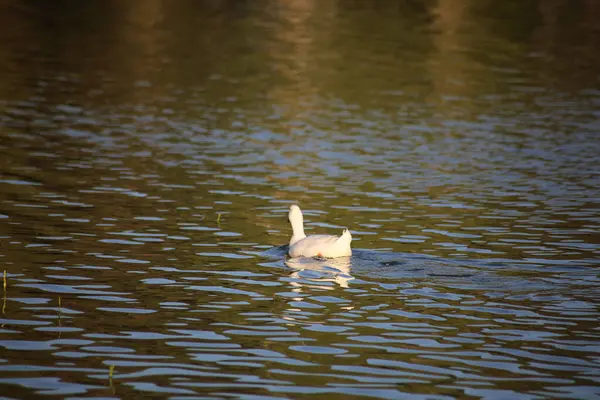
x,y
346,236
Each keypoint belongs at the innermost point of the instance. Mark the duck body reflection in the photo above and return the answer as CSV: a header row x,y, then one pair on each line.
x,y
317,269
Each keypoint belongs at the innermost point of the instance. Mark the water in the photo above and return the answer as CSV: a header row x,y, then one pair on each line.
x,y
149,151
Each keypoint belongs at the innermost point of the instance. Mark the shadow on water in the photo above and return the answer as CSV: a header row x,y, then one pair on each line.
x,y
365,265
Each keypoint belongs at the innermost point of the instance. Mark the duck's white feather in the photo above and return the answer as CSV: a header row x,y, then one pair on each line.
x,y
328,246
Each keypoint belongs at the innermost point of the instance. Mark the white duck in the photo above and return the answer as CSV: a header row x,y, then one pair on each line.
x,y
328,246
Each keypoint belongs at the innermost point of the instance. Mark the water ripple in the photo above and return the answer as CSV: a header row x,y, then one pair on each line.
x,y
144,222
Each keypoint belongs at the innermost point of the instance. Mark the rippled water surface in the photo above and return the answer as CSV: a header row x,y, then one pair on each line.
x,y
149,152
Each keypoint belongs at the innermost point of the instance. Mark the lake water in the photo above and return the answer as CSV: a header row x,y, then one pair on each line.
x,y
149,151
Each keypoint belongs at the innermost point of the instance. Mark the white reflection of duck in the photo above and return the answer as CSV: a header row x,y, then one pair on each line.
x,y
327,246
336,270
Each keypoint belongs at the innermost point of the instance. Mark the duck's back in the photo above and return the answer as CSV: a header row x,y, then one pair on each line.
x,y
328,246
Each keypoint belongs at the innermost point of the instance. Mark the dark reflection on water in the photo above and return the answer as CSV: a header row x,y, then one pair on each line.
x,y
149,151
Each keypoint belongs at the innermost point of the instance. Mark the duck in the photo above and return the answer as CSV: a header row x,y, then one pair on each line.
x,y
325,246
